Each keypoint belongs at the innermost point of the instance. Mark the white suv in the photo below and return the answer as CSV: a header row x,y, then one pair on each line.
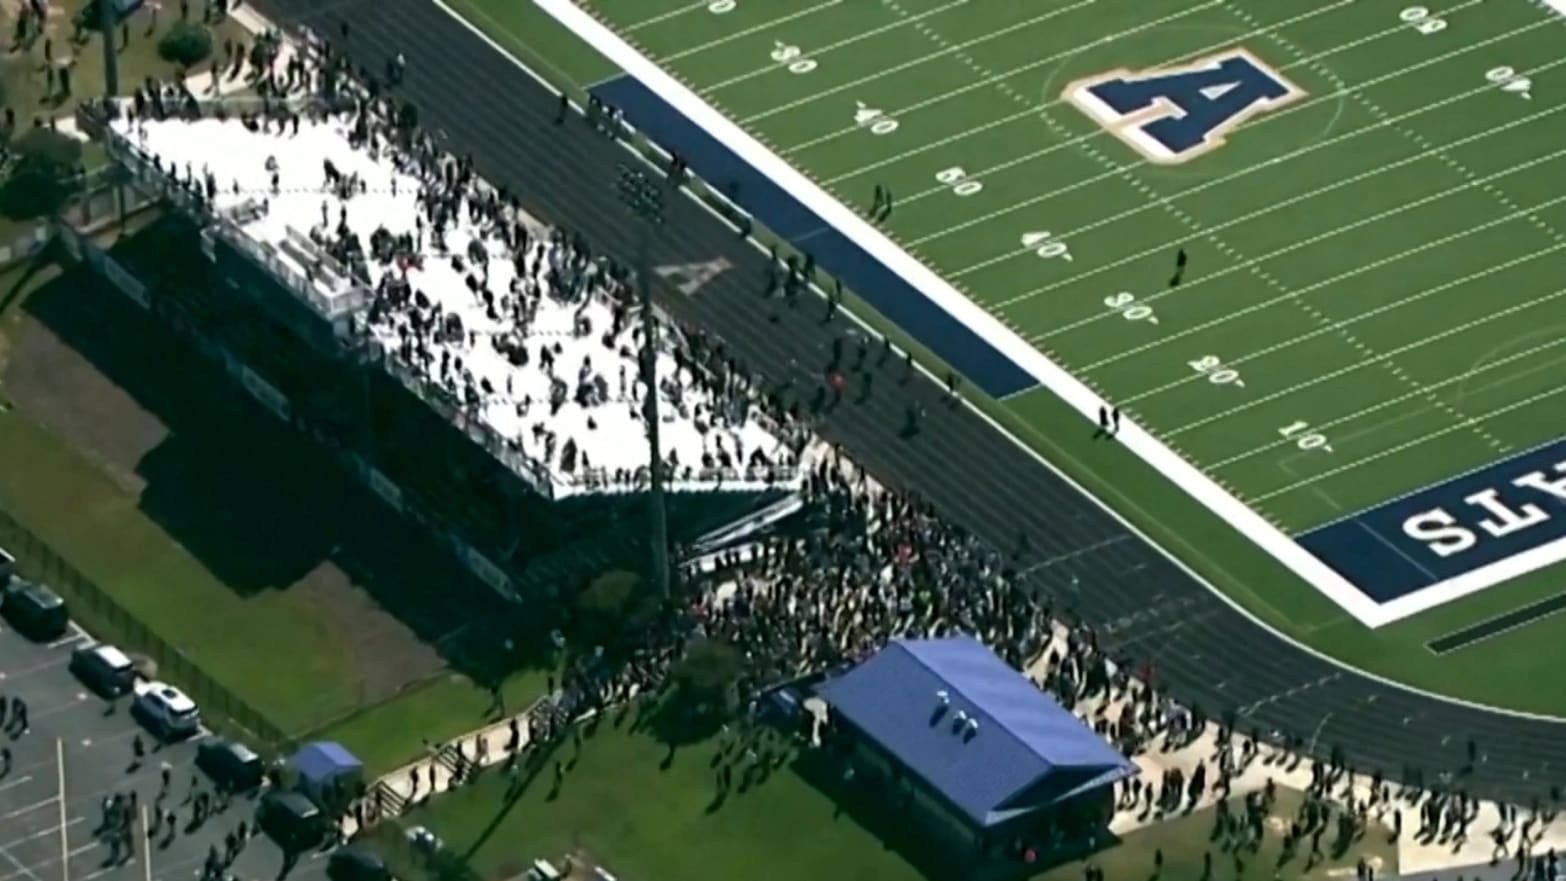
x,y
169,712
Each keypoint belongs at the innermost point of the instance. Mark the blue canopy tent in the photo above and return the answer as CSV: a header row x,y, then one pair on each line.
x,y
976,732
323,765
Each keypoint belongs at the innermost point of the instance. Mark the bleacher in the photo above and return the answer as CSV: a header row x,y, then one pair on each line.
x,y
447,479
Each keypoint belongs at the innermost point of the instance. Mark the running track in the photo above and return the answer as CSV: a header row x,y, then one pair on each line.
x,y
1143,606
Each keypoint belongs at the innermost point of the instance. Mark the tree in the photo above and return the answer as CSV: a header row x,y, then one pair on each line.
x,y
186,44
705,678
610,605
46,170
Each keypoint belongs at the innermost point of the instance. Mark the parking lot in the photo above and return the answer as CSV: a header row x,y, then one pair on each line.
x,y
76,754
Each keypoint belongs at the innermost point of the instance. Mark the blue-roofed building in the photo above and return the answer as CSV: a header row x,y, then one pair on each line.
x,y
984,749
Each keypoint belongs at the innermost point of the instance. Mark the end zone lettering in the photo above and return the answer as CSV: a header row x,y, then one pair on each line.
x,y
1505,518
1490,513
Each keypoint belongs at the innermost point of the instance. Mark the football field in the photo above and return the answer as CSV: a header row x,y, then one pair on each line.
x,y
1314,254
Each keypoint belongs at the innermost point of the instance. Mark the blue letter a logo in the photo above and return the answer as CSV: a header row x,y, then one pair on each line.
x,y
1176,114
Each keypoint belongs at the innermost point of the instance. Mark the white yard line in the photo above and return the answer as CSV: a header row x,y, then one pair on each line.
x,y
1131,166
1234,176
1428,389
1359,365
697,6
954,49
1395,304
1342,276
753,29
1269,208
816,52
1468,422
1255,269
1046,105
1375,110
1210,235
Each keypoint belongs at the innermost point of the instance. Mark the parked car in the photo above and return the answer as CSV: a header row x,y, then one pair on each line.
x,y
353,864
293,821
35,611
7,567
231,765
104,669
166,711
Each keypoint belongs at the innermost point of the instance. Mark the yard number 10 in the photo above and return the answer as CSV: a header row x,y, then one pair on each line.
x,y
1305,437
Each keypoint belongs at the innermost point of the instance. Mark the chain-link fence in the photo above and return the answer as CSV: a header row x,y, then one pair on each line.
x,y
103,616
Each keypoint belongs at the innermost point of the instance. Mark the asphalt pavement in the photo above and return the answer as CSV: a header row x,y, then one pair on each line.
x,y
76,753
1147,609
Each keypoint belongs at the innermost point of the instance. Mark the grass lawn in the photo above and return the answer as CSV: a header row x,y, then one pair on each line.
x,y
386,735
79,510
640,819
294,669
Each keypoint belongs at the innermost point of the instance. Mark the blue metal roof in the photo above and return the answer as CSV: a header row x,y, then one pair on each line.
x,y
996,747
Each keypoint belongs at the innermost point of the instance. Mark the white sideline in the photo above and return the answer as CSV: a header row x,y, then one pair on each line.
x,y
1073,391
1034,454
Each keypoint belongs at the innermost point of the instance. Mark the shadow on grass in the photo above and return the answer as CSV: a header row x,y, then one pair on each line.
x,y
261,506
899,825
676,724
23,280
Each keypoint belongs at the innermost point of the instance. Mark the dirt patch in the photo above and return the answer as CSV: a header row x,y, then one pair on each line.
x,y
59,387
386,653
260,507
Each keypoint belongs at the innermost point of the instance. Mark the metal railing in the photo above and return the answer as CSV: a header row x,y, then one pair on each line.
x,y
106,618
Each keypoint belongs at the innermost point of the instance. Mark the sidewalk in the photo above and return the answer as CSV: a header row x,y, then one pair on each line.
x,y
438,770
1431,857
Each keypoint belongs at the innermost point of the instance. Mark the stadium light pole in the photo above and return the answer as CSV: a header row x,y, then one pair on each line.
x,y
644,198
111,61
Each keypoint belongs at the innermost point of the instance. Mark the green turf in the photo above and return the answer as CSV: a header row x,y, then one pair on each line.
x,y
623,807
1377,261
